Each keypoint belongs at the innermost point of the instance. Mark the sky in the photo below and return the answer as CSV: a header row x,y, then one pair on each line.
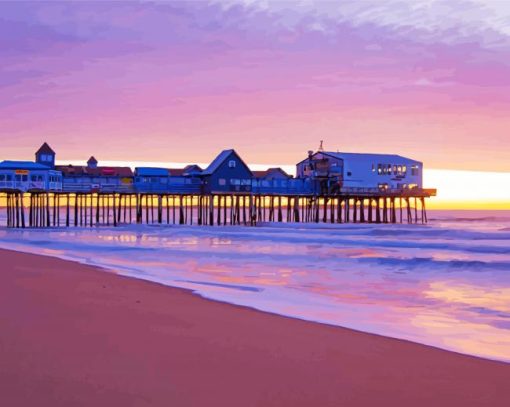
x,y
179,81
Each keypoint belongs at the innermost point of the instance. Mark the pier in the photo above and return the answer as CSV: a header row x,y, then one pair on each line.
x,y
42,209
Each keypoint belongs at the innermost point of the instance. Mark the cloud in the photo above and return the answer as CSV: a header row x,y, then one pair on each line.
x,y
182,68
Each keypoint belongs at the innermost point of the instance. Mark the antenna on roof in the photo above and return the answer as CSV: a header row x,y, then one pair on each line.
x,y
321,147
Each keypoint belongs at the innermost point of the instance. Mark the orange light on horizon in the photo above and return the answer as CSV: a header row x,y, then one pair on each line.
x,y
456,189
475,190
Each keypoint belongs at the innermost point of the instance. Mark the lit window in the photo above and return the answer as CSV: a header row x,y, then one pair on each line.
x,y
379,169
399,169
232,164
394,169
373,167
404,169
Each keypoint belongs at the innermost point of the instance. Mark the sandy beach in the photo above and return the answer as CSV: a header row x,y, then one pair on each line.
x,y
74,335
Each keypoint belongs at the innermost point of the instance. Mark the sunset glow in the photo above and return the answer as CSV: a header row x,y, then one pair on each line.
x,y
456,189
154,81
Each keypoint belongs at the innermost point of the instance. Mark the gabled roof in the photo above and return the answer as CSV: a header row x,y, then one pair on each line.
x,y
45,149
22,165
224,155
192,169
92,160
265,173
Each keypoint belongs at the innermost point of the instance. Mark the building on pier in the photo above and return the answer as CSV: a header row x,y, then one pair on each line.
x,y
227,173
27,176
45,156
276,181
94,178
167,180
343,172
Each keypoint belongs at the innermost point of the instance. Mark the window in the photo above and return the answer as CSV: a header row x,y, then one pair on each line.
x,y
235,181
232,164
373,167
415,170
222,181
33,178
389,169
24,178
246,182
394,169
379,169
2,177
349,174
404,169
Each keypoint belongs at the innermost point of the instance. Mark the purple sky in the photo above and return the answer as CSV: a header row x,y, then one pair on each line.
x,y
178,81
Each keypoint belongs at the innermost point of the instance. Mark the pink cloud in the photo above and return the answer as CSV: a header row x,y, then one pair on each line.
x,y
188,79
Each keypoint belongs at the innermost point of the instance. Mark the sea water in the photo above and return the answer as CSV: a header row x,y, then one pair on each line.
x,y
445,284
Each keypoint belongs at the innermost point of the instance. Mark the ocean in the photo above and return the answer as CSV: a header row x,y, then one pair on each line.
x,y
445,284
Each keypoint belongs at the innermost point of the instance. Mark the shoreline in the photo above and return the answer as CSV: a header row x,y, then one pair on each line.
x,y
124,274
73,334
128,273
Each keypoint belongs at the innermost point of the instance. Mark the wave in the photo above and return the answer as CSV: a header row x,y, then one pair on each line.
x,y
471,219
433,264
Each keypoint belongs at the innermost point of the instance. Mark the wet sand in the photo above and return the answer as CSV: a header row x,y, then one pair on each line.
x,y
74,335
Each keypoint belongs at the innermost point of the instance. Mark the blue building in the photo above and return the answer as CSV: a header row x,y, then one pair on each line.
x,y
27,176
277,181
227,173
45,156
167,180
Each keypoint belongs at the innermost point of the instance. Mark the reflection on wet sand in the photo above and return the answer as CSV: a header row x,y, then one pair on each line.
x,y
446,285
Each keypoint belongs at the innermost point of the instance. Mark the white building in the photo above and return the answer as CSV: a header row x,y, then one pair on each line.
x,y
358,170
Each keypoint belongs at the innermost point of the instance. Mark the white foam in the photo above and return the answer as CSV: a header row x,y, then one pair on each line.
x,y
445,284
